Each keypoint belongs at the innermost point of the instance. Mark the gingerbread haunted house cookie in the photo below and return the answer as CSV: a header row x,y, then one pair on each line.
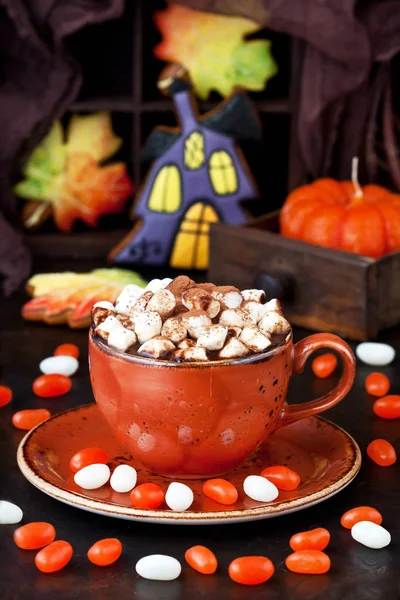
x,y
199,176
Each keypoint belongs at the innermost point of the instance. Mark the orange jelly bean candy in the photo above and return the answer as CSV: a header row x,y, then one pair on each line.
x,y
382,452
323,366
67,350
54,557
251,570
5,395
34,535
147,495
28,419
221,491
201,559
284,478
377,384
360,513
49,386
308,562
387,407
86,457
105,552
315,539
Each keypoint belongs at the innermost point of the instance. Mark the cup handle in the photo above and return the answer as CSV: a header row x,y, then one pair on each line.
x,y
301,351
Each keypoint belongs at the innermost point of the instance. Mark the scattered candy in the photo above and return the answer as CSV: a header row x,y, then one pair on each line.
x,y
377,384
48,386
251,570
86,457
375,354
221,491
62,365
29,418
67,350
360,513
308,562
92,476
54,557
34,535
388,407
158,567
201,559
260,489
371,535
105,552
5,395
123,479
382,452
10,513
179,496
147,495
284,478
323,366
315,539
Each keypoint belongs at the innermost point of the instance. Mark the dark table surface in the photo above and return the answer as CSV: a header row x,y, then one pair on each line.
x,y
357,572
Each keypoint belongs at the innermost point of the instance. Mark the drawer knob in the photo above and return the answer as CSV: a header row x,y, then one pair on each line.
x,y
275,285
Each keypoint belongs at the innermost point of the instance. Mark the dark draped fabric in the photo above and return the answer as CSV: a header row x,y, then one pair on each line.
x,y
345,76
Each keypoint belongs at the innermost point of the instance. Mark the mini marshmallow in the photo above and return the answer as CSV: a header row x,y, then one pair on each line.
x,y
273,322
233,349
195,354
199,299
157,347
254,310
147,325
157,284
174,329
142,302
103,330
254,339
188,343
254,295
228,296
234,317
130,291
121,338
125,305
102,310
273,306
195,321
163,302
126,321
213,337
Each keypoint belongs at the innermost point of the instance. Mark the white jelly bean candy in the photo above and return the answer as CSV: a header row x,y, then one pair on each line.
x,y
92,476
260,489
375,354
123,479
179,496
370,534
10,513
63,365
158,567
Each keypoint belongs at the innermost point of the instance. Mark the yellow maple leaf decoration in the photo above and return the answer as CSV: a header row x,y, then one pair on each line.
x,y
214,50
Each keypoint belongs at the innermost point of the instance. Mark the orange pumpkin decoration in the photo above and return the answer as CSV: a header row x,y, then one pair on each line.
x,y
344,216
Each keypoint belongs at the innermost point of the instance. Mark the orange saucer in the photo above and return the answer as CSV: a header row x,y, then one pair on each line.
x,y
324,455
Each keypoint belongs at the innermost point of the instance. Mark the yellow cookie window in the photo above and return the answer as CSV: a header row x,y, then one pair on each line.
x,y
166,194
194,150
223,173
191,244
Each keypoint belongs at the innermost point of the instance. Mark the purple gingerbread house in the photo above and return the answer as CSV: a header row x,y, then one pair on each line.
x,y
199,176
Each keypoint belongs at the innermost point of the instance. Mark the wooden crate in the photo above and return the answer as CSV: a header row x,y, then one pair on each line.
x,y
321,289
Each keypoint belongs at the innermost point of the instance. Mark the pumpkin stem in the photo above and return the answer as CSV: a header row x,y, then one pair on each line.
x,y
358,193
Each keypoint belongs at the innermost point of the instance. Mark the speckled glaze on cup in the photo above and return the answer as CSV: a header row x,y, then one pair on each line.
x,y
197,420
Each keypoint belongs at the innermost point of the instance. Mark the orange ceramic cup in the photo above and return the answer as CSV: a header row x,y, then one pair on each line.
x,y
195,420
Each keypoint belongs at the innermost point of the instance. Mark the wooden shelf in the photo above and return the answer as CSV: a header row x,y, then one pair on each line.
x,y
123,104
86,245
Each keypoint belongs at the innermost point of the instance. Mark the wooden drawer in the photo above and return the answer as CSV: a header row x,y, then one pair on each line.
x,y
321,289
